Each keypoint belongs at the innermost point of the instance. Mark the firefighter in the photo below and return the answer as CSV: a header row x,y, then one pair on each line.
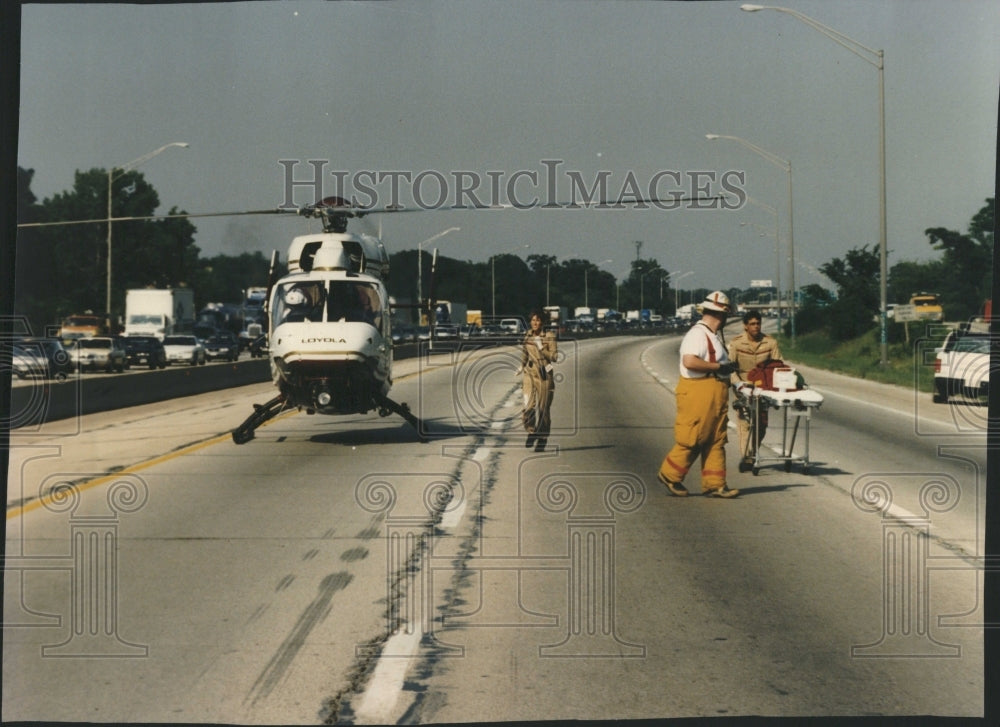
x,y
702,404
749,350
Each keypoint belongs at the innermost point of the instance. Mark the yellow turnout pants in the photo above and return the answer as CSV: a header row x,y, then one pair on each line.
x,y
699,430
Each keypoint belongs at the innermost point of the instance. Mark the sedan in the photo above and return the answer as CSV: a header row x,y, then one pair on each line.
x,y
223,345
145,351
184,349
98,353
962,366
43,358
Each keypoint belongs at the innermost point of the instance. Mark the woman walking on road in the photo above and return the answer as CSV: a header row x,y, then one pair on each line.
x,y
538,353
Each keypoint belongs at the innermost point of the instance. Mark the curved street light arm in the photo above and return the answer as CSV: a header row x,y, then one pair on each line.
x,y
122,168
858,49
773,158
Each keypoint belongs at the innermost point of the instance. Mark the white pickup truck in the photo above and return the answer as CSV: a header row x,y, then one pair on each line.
x,y
962,366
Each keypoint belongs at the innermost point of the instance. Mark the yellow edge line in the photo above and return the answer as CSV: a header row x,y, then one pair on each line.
x,y
15,512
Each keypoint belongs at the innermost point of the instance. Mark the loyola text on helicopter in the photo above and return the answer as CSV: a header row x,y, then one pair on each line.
x,y
521,189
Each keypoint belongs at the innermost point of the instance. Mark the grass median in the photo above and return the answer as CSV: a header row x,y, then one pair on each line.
x,y
910,363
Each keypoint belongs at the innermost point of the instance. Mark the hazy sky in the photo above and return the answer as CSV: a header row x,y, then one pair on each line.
x,y
515,100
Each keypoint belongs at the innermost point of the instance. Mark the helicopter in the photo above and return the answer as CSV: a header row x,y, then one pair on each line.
x,y
330,346
329,324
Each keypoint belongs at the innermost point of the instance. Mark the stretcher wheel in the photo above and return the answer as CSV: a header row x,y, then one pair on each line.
x,y
788,465
755,471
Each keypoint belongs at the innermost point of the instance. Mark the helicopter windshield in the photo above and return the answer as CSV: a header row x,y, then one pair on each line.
x,y
352,302
333,301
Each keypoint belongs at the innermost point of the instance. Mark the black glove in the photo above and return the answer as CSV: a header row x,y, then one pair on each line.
x,y
725,369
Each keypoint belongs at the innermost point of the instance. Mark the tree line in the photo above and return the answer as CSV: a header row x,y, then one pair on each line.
x,y
60,270
962,277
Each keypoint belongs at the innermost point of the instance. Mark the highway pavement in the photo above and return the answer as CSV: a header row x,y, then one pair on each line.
x,y
336,569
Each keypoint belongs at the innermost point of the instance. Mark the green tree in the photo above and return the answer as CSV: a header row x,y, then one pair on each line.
x,y
641,289
813,310
856,276
967,274
62,268
225,278
907,278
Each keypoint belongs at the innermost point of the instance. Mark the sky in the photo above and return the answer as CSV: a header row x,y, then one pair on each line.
x,y
432,103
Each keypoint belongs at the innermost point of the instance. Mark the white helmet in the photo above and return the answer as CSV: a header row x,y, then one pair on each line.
x,y
295,296
717,301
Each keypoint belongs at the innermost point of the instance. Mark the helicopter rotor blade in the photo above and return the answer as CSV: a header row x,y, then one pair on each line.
x,y
332,207
185,215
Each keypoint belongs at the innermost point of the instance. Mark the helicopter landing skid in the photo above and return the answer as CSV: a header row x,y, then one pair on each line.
x,y
261,413
388,406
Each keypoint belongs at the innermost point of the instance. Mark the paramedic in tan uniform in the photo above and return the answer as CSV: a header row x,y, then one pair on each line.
x,y
538,353
702,404
747,351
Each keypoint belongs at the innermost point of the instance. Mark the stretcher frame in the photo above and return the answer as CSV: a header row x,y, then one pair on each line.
x,y
796,407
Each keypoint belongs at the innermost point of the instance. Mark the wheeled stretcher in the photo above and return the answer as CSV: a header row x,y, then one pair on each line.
x,y
796,405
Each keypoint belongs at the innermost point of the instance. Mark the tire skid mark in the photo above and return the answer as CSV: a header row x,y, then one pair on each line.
x,y
313,615
338,709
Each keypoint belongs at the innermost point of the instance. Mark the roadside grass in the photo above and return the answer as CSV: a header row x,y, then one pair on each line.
x,y
909,364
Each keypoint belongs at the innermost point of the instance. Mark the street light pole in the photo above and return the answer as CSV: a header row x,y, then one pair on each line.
x,y
874,58
122,169
677,290
787,166
777,251
420,263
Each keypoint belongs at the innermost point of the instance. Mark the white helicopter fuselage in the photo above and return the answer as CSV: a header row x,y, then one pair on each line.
x,y
330,340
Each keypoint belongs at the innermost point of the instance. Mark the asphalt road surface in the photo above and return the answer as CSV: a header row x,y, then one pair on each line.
x,y
337,569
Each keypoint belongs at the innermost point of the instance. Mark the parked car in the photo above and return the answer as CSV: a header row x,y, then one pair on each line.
x,y
98,353
222,345
42,358
259,347
184,349
962,366
145,351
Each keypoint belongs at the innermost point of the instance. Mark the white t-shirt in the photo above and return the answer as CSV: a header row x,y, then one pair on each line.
x,y
700,341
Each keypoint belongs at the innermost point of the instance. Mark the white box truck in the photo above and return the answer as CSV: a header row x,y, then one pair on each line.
x,y
156,312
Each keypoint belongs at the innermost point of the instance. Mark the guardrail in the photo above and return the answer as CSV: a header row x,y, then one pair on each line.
x,y
40,401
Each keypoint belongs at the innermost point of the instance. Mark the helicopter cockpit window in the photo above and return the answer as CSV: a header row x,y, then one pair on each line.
x,y
354,302
300,302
